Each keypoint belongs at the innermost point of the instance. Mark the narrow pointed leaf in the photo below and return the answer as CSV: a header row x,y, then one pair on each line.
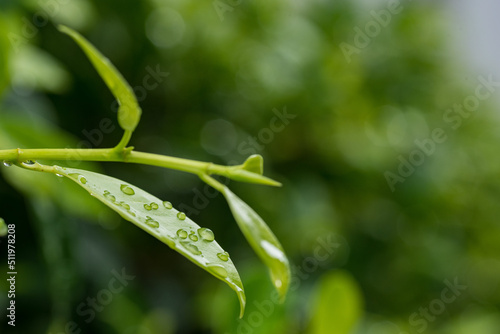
x,y
129,112
262,240
165,223
243,175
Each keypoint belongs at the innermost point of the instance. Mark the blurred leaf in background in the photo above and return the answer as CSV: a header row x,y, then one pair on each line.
x,y
337,305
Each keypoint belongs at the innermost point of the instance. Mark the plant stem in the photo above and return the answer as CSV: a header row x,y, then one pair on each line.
x,y
124,141
112,155
237,173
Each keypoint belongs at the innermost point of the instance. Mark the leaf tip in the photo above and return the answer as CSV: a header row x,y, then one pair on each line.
x,y
65,30
282,288
243,301
280,277
244,175
274,183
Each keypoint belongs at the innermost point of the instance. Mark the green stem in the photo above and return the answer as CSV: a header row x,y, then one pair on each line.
x,y
236,173
124,142
112,155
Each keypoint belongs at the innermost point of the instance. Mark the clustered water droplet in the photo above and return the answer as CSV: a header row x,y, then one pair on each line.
x,y
152,206
190,247
109,196
124,205
167,205
217,270
181,215
127,190
223,256
151,222
193,236
182,234
206,234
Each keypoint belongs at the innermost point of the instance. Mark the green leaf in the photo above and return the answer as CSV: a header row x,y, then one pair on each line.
x,y
243,175
165,223
262,240
5,49
36,69
251,171
254,164
337,305
3,228
129,113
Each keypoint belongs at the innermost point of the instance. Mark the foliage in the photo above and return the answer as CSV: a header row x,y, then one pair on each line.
x,y
151,214
227,81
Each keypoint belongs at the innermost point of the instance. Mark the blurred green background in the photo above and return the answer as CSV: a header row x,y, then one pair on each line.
x,y
420,256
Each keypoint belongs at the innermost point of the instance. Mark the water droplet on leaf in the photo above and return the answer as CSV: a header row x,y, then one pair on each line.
x,y
181,215
182,234
190,247
223,256
59,175
152,206
167,205
127,190
217,270
74,175
78,177
151,222
206,234
124,205
7,163
193,236
109,197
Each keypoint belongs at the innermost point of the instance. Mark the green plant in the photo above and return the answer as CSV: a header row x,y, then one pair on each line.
x,y
151,214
